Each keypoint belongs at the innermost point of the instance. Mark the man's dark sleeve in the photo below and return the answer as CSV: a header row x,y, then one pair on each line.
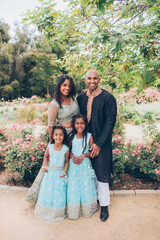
x,y
110,120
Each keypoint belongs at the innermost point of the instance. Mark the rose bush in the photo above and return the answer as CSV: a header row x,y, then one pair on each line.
x,y
23,152
140,161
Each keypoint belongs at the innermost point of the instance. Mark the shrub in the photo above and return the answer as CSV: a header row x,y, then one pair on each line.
x,y
149,112
16,87
28,113
44,117
25,158
7,92
118,157
146,96
22,151
141,161
137,121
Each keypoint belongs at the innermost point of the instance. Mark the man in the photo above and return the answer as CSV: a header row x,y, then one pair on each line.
x,y
100,108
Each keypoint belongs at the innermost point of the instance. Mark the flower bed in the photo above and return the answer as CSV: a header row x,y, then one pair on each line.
x,y
22,151
140,161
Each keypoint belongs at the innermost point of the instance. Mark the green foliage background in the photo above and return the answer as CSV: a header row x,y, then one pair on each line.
x,y
120,39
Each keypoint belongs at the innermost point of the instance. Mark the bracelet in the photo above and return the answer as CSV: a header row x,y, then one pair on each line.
x,y
45,167
72,157
82,157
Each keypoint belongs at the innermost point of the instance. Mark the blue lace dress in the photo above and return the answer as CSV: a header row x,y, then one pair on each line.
x,y
51,203
81,191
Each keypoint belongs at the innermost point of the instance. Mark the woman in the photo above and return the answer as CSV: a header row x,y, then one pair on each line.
x,y
61,110
64,105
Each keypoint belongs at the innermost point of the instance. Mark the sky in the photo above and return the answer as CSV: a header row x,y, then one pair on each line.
x,y
11,10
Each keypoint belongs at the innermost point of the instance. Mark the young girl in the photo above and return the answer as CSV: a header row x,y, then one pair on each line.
x,y
51,203
81,192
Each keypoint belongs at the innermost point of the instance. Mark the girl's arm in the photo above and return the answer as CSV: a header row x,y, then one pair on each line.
x,y
86,155
45,161
66,164
90,144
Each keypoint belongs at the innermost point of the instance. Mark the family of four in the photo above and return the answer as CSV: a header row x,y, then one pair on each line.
x,y
77,164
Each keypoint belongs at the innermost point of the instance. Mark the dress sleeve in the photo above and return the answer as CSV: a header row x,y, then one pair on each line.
x,y
65,149
74,105
110,120
52,113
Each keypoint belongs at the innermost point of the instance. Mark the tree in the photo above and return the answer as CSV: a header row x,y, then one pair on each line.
x,y
5,55
43,75
118,38
7,92
4,35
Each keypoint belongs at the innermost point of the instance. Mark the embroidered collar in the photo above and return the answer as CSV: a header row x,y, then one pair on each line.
x,y
90,101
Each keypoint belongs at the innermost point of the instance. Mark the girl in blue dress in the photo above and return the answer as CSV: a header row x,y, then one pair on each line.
x,y
81,191
51,203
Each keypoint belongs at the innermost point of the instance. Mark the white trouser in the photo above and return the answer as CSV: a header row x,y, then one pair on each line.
x,y
103,193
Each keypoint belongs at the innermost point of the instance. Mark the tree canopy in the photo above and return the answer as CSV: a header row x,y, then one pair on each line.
x,y
29,64
118,38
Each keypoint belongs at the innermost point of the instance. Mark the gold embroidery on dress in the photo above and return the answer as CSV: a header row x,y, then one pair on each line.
x,y
74,211
49,214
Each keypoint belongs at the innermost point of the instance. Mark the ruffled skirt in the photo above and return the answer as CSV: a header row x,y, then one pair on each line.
x,y
81,190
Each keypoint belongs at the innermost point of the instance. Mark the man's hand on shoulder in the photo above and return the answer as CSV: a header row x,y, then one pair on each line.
x,y
84,90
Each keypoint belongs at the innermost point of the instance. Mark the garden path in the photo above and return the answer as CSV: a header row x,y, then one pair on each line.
x,y
131,217
135,133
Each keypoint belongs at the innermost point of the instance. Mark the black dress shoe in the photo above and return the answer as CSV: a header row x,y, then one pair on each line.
x,y
104,213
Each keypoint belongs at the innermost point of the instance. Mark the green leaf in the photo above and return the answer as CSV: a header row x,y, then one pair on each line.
x,y
133,37
102,8
105,38
85,2
96,40
75,11
147,76
118,45
151,1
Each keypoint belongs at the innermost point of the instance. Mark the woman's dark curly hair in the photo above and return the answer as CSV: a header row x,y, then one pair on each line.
x,y
57,93
74,131
64,132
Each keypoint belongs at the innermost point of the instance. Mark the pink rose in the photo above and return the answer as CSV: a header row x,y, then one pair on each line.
x,y
32,158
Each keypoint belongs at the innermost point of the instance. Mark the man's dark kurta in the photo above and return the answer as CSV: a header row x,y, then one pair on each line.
x,y
103,118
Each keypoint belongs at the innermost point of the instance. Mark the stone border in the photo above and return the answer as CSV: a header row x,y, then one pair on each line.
x,y
112,193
